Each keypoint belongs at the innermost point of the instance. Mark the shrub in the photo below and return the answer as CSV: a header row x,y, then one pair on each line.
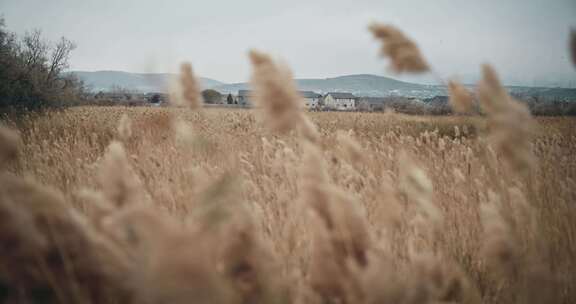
x,y
31,72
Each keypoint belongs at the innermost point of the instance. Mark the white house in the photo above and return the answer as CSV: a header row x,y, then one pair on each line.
x,y
311,99
340,101
244,96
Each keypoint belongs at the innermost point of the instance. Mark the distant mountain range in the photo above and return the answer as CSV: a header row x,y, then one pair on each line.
x,y
362,85
359,85
141,82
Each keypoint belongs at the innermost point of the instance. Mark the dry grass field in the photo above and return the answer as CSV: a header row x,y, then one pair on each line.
x,y
275,205
172,205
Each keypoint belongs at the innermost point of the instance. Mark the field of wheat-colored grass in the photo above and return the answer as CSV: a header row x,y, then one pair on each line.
x,y
171,205
276,205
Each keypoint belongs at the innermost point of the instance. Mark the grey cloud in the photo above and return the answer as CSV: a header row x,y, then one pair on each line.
x,y
525,40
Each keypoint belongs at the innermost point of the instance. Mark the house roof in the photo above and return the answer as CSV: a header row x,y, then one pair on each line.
x,y
305,94
309,94
341,95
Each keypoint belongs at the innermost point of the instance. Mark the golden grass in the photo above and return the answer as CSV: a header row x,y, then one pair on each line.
x,y
185,91
403,52
384,208
460,99
205,206
276,94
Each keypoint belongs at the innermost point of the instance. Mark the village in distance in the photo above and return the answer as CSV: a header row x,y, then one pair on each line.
x,y
367,93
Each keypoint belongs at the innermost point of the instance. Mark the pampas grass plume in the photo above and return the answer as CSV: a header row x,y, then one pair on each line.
x,y
9,142
403,52
119,184
190,86
460,99
510,121
186,90
124,128
493,96
418,187
352,148
499,247
182,270
184,134
276,94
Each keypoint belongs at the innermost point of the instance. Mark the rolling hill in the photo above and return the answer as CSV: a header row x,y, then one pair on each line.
x,y
359,85
141,82
362,85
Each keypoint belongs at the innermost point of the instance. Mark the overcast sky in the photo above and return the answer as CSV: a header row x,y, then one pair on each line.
x,y
527,40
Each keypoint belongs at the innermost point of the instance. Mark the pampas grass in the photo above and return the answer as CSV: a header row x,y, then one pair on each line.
x,y
417,187
460,100
44,243
510,121
276,93
339,219
119,184
124,128
186,90
397,209
9,142
403,53
341,241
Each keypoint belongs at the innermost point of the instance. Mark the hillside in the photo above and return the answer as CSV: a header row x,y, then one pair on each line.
x,y
361,85
142,82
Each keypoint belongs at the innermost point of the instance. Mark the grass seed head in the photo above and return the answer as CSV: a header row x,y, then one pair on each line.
x,y
118,181
418,187
186,90
510,122
124,128
461,100
352,148
499,247
182,269
9,143
403,53
276,94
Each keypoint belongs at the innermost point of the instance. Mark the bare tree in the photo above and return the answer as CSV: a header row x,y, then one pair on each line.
x,y
34,49
31,72
59,57
7,39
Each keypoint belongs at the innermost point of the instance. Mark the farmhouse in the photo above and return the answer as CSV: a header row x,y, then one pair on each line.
x,y
311,99
340,101
243,97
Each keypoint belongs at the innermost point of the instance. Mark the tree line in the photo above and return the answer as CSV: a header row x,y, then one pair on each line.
x,y
32,71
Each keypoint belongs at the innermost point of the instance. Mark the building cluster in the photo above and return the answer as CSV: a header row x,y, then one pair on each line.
x,y
330,101
334,101
312,99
